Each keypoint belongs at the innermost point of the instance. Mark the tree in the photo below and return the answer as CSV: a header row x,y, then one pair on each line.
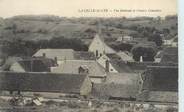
x,y
122,46
156,38
14,28
19,47
72,43
43,44
147,53
166,31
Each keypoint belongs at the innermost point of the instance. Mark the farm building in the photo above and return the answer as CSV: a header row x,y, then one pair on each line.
x,y
173,42
8,62
121,86
33,65
168,55
125,56
125,38
107,61
104,62
120,66
160,84
45,82
64,54
94,70
61,54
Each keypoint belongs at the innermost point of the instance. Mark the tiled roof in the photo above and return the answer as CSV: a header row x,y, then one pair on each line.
x,y
121,66
83,55
158,96
37,65
113,56
65,54
125,56
161,78
72,66
41,82
160,84
161,96
61,54
122,78
171,50
119,85
169,58
168,55
9,61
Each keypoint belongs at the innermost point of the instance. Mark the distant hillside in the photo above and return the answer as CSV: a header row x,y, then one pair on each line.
x,y
46,27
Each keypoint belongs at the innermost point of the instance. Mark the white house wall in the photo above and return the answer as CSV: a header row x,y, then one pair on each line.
x,y
16,68
98,45
102,61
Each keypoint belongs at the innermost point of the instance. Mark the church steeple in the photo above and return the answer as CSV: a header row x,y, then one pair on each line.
x,y
98,46
99,28
100,34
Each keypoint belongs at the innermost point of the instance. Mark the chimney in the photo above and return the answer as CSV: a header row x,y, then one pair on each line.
x,y
55,59
107,65
44,55
83,70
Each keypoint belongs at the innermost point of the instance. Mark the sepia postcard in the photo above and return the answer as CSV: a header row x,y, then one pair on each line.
x,y
89,56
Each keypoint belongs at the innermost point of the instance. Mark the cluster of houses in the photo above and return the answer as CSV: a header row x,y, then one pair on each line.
x,y
168,42
101,73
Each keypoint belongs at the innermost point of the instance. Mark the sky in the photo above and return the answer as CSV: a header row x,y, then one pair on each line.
x,y
73,8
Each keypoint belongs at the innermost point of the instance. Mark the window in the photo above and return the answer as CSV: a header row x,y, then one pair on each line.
x,y
100,54
96,53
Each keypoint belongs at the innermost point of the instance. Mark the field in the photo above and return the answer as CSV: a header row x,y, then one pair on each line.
x,y
47,27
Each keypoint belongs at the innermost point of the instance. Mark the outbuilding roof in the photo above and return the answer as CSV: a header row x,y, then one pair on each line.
x,y
160,84
119,85
72,66
65,54
61,54
41,82
37,64
168,55
161,78
83,55
163,96
121,66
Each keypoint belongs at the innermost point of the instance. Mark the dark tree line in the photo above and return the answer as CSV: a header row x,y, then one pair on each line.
x,y
122,46
19,47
